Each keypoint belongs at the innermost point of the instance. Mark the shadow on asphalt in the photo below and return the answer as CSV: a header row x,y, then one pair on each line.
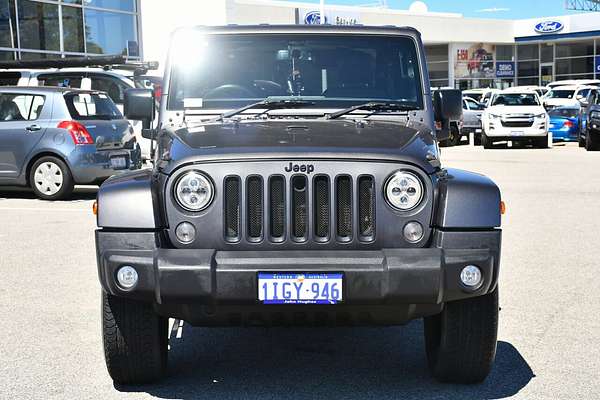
x,y
313,363
80,193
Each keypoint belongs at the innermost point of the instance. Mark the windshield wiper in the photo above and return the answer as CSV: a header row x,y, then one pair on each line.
x,y
268,104
375,106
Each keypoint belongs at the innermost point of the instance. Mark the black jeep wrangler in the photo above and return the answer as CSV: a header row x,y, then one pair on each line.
x,y
297,180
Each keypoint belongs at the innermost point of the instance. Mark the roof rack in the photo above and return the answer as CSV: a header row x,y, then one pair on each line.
x,y
105,62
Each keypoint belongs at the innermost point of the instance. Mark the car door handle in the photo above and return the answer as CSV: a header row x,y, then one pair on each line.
x,y
33,128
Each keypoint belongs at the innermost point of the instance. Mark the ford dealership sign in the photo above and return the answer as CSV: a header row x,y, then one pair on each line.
x,y
549,27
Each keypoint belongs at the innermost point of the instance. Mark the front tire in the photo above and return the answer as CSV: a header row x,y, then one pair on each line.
x,y
541,143
581,141
51,179
461,340
592,142
135,340
485,141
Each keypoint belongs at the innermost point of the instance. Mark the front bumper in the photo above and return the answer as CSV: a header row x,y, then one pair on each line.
x,y
179,281
90,166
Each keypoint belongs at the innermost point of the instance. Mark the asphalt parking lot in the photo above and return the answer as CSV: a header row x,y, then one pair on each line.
x,y
549,339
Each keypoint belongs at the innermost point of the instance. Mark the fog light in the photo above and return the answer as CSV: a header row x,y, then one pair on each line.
x,y
471,276
185,232
413,232
127,277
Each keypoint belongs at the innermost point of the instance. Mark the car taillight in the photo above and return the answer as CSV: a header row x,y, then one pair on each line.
x,y
568,124
78,132
157,91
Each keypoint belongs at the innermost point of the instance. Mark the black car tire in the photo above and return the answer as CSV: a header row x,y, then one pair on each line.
x,y
67,178
454,138
477,139
135,340
461,340
592,141
541,143
581,141
485,141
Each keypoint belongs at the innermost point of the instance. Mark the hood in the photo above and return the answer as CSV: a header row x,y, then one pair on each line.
x,y
505,110
303,139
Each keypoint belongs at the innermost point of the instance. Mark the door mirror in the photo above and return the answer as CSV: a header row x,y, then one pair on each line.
x,y
447,106
140,106
584,103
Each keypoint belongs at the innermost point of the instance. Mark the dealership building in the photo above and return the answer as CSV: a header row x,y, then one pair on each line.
x,y
461,52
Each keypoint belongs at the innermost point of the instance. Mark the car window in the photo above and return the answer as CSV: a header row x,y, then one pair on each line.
x,y
9,78
113,87
89,106
516,99
584,93
561,94
564,112
60,80
473,105
20,107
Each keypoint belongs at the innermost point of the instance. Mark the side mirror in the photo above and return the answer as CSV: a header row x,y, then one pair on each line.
x,y
140,106
584,103
447,106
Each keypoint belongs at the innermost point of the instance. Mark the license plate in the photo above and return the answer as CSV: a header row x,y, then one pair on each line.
x,y
118,162
299,288
477,130
517,133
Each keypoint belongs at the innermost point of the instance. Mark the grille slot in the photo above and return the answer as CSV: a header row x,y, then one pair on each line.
x,y
255,207
517,124
366,208
277,207
299,208
344,207
232,209
321,207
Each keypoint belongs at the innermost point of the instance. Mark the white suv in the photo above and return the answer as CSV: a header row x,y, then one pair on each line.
x,y
516,116
569,95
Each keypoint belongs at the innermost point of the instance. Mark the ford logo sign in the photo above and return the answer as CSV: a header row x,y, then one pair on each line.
x,y
549,27
312,18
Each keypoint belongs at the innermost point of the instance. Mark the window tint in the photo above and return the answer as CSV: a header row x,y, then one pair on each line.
x,y
516,99
564,112
473,105
20,107
112,86
60,80
87,106
561,94
9,78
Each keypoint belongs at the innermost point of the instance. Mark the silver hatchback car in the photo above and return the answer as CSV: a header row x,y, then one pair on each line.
x,y
54,138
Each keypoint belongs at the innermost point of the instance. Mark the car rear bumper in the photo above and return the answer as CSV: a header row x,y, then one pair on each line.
x,y
90,166
187,282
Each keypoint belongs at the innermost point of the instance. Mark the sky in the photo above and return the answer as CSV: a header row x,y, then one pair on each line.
x,y
500,9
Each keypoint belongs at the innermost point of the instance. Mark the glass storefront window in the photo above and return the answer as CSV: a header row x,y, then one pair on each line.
x,y
73,37
505,53
575,49
122,5
528,52
8,34
436,53
108,32
38,25
575,66
438,70
6,56
547,52
528,81
528,68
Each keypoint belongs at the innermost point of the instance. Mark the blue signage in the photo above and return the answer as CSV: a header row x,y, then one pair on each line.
x,y
597,66
505,69
549,27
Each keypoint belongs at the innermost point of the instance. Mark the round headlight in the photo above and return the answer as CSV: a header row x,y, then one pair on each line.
x,y
404,190
194,191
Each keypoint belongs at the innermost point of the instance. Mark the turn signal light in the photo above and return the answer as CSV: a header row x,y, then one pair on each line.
x,y
95,208
502,208
78,132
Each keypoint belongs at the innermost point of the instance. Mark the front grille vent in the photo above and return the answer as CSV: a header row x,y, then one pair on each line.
x,y
300,208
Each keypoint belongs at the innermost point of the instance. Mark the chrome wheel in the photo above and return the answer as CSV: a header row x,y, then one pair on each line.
x,y
48,178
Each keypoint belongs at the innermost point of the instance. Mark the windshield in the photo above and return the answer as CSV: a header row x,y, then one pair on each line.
x,y
90,106
564,112
516,99
227,71
475,96
561,94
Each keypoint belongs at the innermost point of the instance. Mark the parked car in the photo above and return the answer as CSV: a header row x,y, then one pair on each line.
x,y
565,123
472,112
590,132
324,202
574,82
54,138
516,116
112,75
561,96
483,96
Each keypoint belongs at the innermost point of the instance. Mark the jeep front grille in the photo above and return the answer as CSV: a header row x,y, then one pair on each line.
x,y
300,208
